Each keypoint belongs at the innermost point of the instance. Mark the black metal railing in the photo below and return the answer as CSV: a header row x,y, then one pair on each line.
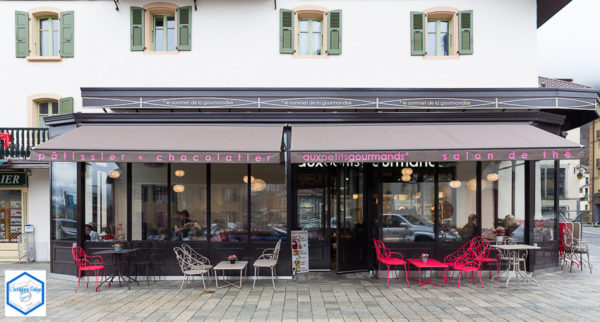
x,y
23,139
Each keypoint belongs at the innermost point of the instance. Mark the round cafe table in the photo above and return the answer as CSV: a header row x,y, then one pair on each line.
x,y
117,259
514,252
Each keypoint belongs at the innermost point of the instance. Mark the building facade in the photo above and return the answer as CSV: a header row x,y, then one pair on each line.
x,y
230,124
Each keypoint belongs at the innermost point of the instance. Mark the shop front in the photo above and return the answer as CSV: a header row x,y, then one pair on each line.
x,y
13,214
235,182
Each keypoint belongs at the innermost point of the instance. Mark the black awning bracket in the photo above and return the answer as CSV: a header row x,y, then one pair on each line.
x,y
116,4
195,5
275,1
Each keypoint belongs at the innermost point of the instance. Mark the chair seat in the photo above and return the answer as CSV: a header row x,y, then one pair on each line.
x,y
265,263
91,268
196,272
206,267
392,261
465,268
488,260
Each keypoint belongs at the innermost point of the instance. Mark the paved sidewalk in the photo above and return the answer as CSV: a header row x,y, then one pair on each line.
x,y
560,296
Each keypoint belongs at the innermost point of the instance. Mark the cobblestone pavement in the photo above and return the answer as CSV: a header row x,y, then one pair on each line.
x,y
560,296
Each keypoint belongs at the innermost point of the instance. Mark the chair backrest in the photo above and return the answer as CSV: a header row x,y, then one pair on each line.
x,y
189,251
459,253
182,258
276,250
577,230
79,256
380,249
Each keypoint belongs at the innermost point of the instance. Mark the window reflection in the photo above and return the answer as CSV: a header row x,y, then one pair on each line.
x,y
457,204
64,201
268,202
188,202
408,199
106,201
311,204
150,195
229,203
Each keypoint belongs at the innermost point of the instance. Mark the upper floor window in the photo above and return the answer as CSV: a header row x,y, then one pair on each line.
x,y
48,105
44,34
319,32
161,27
46,108
433,33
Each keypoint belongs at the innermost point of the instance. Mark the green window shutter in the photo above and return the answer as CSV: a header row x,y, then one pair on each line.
x,y
65,105
334,32
22,34
286,31
417,33
67,32
184,28
137,29
465,32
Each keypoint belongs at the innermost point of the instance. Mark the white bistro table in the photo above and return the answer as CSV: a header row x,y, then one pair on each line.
x,y
223,266
513,252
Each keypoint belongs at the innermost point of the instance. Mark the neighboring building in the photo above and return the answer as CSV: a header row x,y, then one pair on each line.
x,y
230,125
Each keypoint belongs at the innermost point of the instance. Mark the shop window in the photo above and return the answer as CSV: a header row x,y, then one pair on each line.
x,y
310,31
46,108
268,202
188,202
408,204
229,202
44,34
547,182
150,200
503,200
161,27
441,32
106,201
457,201
63,210
545,207
12,214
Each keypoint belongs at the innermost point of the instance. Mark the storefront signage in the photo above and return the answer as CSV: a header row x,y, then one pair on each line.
x,y
436,156
299,251
408,102
357,164
155,157
13,179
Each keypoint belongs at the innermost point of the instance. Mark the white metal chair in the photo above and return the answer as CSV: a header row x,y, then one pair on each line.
x,y
190,267
575,248
268,259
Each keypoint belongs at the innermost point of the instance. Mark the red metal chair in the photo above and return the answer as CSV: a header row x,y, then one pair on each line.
x,y
471,261
384,256
86,264
455,257
486,259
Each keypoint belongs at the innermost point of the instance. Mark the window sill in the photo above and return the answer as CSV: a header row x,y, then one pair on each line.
x,y
44,58
310,56
452,57
152,52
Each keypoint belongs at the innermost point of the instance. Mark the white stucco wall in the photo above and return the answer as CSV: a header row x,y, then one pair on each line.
x,y
235,43
39,211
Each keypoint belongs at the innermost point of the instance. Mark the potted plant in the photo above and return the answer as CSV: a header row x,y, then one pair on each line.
x,y
424,257
232,259
499,234
116,247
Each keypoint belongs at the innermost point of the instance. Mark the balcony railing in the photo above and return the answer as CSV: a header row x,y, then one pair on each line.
x,y
23,139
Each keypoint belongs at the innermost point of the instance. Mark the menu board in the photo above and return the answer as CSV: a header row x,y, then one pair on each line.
x,y
299,251
11,214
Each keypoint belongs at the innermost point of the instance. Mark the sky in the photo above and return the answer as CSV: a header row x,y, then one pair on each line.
x,y
569,44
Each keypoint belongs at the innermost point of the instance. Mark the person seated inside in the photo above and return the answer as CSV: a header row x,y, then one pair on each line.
x,y
90,234
513,229
470,229
108,233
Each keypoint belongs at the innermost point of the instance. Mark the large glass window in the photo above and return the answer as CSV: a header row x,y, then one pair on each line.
x,y
545,210
312,211
105,201
164,33
438,37
408,199
64,201
503,199
188,203
11,214
150,199
268,202
229,202
310,37
457,200
48,36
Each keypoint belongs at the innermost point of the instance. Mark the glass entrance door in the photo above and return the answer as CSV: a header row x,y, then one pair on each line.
x,y
351,224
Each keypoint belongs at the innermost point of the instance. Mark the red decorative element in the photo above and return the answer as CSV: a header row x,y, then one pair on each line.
x,y
384,256
87,263
6,138
469,258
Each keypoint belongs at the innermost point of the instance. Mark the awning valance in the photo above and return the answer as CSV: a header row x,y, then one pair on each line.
x,y
428,142
168,143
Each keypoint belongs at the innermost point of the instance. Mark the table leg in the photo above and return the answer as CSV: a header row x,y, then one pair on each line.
x,y
216,279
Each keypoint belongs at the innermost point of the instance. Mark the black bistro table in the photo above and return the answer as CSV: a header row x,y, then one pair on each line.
x,y
117,257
